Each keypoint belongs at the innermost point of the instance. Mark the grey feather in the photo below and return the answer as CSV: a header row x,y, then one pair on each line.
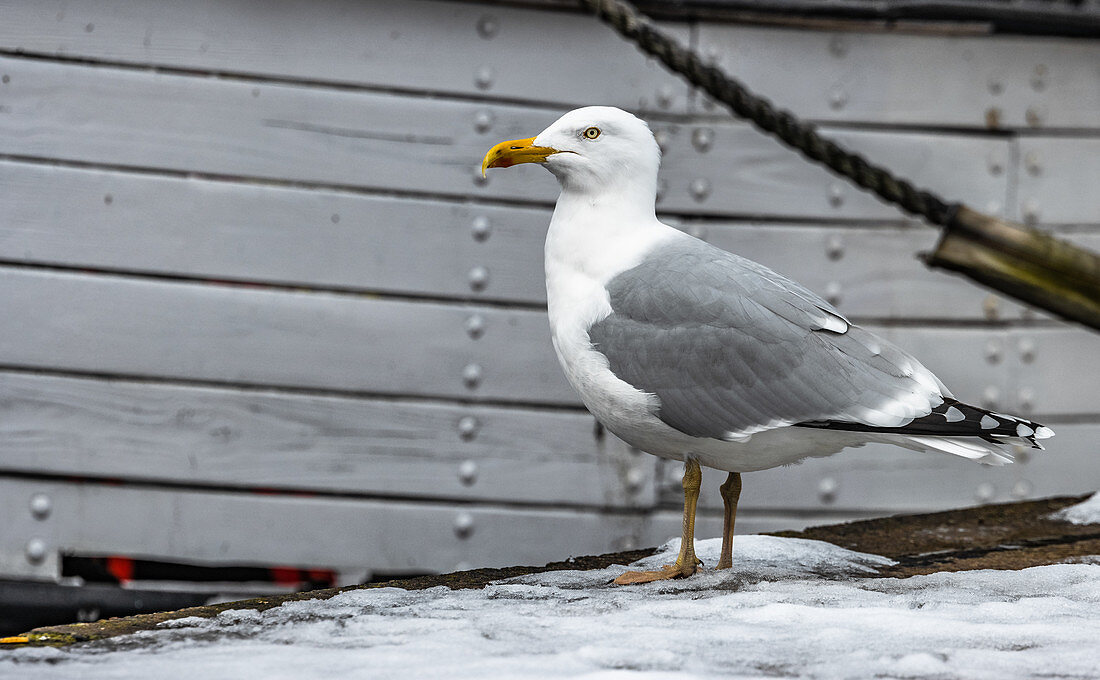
x,y
729,346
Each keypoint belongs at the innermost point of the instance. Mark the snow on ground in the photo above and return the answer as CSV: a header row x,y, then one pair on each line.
x,y
1087,512
789,608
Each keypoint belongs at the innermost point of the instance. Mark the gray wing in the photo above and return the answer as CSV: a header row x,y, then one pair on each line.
x,y
730,348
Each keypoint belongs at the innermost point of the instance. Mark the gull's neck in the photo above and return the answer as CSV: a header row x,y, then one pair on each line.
x,y
592,238
598,234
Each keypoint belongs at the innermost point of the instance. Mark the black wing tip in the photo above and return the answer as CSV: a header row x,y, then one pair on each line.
x,y
954,418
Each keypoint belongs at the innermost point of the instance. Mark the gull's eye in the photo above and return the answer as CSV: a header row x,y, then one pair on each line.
x,y
591,133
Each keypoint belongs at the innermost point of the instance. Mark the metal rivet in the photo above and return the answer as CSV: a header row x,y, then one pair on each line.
x,y
481,228
35,550
335,218
41,506
996,86
484,77
1027,350
487,26
1034,116
1031,212
838,47
837,99
468,427
664,96
467,472
108,199
471,375
464,525
834,247
991,396
1031,162
635,478
88,28
827,489
1039,77
836,195
832,292
475,326
700,188
993,352
1025,398
5,79
483,120
985,492
1021,489
702,139
478,277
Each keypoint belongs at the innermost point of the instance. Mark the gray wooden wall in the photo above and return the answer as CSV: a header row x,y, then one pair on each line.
x,y
259,308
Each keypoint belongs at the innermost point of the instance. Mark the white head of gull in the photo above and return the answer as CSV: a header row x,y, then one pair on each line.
x,y
689,352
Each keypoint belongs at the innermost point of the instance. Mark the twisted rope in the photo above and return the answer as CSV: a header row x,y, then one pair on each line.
x,y
631,24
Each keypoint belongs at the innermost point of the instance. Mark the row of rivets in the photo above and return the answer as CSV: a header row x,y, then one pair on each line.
x,y
40,506
987,492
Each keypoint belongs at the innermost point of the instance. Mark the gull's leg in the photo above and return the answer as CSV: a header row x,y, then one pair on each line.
x,y
686,563
731,491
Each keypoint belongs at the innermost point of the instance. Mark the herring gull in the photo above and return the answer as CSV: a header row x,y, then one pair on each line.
x,y
688,352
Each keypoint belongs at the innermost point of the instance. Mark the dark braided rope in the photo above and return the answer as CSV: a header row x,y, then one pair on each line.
x,y
780,123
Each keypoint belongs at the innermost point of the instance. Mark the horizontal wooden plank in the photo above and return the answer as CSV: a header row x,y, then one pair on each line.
x,y
1058,180
886,479
744,172
235,334
318,238
413,45
410,144
253,439
1010,81
290,236
348,535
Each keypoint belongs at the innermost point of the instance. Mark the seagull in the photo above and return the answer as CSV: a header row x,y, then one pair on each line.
x,y
688,352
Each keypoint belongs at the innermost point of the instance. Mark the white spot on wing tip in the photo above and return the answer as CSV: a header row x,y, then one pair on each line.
x,y
989,423
954,415
835,324
1023,430
1043,432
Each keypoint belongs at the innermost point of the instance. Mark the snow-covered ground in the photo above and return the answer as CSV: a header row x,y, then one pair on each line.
x,y
1087,512
789,608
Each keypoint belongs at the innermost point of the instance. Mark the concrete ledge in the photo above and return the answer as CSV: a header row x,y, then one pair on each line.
x,y
1008,536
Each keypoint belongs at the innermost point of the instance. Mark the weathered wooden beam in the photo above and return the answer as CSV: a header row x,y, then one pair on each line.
x,y
1028,264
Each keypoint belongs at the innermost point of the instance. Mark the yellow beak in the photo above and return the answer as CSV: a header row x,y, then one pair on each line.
x,y
507,154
